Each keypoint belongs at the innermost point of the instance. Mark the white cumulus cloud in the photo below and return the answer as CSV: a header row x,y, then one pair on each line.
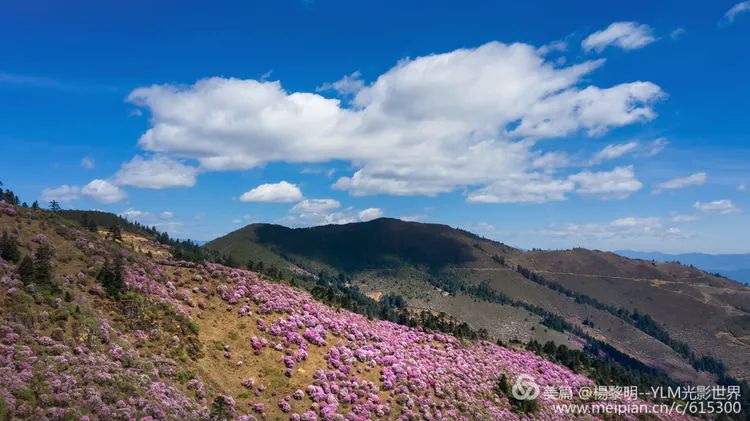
x,y
736,10
615,184
723,206
682,218
677,33
135,214
626,35
697,179
348,85
156,173
88,162
103,191
613,152
370,214
617,229
316,205
64,193
328,211
657,146
533,188
469,118
281,192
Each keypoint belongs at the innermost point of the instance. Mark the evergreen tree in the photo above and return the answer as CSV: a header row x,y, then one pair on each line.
x,y
25,270
115,233
43,264
9,197
54,206
9,248
35,205
221,409
111,277
273,272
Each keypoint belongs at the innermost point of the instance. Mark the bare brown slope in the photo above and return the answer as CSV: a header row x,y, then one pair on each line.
x,y
708,313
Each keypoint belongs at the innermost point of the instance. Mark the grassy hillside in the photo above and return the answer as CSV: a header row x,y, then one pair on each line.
x,y
95,329
676,316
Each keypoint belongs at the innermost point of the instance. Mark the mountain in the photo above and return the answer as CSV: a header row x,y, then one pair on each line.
x,y
733,266
397,321
106,324
381,243
674,318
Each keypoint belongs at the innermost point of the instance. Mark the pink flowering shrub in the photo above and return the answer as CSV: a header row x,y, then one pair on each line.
x,y
341,365
7,209
80,379
419,375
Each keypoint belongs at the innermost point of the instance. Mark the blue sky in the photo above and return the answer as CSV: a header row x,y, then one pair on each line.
x,y
539,124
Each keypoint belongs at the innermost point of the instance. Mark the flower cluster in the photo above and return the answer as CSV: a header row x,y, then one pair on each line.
x,y
79,382
375,369
7,209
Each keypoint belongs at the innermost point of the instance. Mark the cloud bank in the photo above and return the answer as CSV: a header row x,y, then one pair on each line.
x,y
467,119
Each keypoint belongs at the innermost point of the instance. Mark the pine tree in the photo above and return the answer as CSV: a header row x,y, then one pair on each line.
x,y
25,270
54,206
115,233
221,409
111,277
35,205
43,264
9,248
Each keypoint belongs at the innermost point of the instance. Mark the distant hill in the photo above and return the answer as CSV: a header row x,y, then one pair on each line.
x,y
377,244
733,266
672,317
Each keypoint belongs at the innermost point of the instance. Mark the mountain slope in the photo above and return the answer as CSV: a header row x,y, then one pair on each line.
x,y
691,314
733,266
377,244
97,329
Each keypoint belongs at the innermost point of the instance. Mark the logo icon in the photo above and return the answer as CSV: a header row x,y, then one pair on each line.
x,y
525,388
